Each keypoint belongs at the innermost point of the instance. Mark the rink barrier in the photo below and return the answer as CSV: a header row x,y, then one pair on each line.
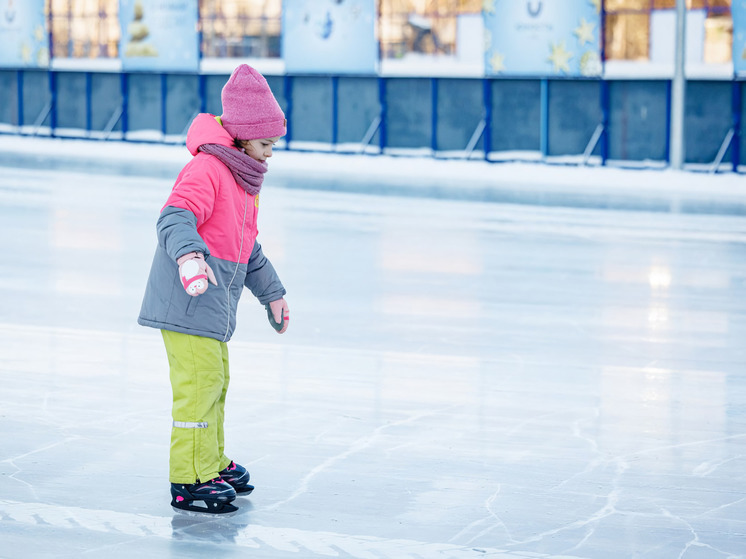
x,y
575,121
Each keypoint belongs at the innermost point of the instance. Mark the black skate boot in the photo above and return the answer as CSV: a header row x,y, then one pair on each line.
x,y
237,476
212,496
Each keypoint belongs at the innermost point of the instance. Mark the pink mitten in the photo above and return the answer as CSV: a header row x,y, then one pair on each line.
x,y
194,273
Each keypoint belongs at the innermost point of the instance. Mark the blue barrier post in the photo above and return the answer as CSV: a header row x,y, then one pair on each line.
x,y
382,139
202,84
288,90
164,103
434,115
52,102
487,100
19,88
124,83
335,110
669,85
544,111
605,112
88,102
735,146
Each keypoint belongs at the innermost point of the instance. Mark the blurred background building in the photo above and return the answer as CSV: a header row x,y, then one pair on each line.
x,y
140,69
90,29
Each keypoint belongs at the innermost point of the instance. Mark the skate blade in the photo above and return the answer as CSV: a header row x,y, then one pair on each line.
x,y
201,508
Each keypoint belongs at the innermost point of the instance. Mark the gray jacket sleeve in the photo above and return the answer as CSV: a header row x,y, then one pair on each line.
x,y
177,233
261,277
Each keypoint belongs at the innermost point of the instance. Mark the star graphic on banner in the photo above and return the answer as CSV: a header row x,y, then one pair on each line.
x,y
42,57
39,33
559,57
584,32
596,4
487,40
497,62
25,53
590,64
488,6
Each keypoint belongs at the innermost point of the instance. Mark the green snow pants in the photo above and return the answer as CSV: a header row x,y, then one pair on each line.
x,y
199,381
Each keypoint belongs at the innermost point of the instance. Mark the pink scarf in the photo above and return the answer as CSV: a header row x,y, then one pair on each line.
x,y
248,172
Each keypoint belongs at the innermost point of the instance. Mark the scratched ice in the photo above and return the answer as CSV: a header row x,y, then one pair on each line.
x,y
460,379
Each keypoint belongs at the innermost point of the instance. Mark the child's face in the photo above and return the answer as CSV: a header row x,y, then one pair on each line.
x,y
260,149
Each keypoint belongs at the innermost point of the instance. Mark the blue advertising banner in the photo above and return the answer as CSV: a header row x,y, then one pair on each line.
x,y
24,42
336,36
159,35
542,37
738,10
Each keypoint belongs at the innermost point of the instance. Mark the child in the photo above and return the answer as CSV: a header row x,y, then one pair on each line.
x,y
207,252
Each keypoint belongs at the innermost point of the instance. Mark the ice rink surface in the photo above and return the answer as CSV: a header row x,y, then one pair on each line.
x,y
460,379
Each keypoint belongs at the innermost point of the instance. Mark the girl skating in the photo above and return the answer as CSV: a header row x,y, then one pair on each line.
x,y
207,253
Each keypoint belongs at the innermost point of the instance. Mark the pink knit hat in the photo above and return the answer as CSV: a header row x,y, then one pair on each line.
x,y
250,111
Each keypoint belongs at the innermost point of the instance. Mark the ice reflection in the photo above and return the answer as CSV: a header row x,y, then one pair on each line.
x,y
435,380
441,251
194,528
665,416
659,277
75,230
662,276
424,306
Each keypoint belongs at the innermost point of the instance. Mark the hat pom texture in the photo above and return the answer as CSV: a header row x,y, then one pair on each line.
x,y
250,111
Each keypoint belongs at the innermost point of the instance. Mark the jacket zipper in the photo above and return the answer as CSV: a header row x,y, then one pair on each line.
x,y
238,263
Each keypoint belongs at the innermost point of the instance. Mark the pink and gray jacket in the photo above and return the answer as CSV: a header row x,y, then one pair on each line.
x,y
207,212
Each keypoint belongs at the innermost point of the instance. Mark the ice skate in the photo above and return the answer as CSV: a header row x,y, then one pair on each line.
x,y
237,476
213,497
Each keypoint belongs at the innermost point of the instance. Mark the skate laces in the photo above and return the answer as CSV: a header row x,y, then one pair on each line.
x,y
221,485
214,481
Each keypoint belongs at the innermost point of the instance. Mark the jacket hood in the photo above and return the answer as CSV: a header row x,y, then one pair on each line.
x,y
205,129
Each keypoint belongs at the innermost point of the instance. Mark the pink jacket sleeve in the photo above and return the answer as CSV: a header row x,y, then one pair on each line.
x,y
196,188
